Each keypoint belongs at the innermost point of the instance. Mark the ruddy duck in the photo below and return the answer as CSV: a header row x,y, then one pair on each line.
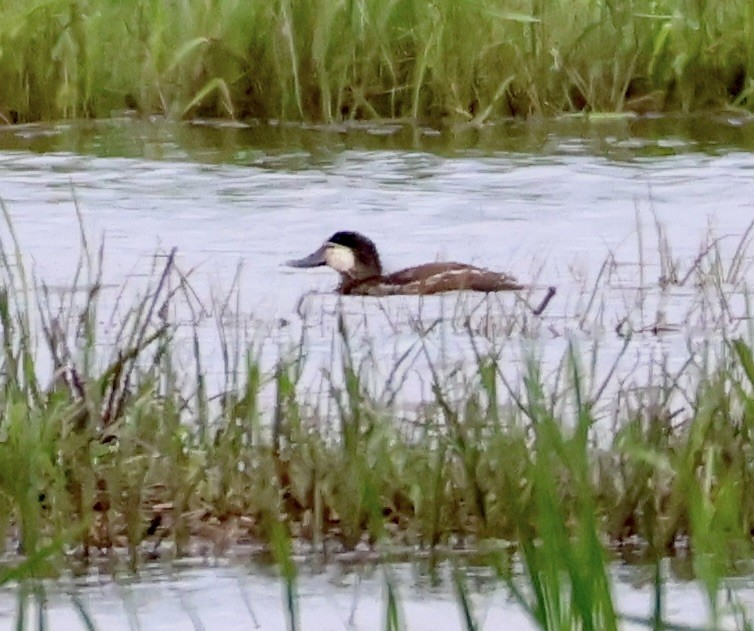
x,y
355,257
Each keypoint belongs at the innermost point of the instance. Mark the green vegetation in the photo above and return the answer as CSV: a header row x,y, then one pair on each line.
x,y
119,448
465,61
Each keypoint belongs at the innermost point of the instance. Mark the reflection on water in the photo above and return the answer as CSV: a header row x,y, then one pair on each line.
x,y
189,596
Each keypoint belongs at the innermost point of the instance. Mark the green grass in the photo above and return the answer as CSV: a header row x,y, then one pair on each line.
x,y
121,448
462,61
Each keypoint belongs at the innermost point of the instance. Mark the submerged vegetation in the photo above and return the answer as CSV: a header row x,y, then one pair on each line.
x,y
109,441
465,61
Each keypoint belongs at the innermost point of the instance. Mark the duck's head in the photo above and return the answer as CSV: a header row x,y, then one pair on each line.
x,y
350,253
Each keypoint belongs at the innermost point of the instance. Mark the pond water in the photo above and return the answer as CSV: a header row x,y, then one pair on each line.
x,y
545,200
229,597
549,201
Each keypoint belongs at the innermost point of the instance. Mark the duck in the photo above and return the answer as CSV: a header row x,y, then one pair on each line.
x,y
355,257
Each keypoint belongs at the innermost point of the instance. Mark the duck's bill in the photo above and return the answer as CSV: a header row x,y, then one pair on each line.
x,y
315,259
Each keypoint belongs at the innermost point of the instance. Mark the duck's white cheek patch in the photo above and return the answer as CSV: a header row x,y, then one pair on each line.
x,y
340,258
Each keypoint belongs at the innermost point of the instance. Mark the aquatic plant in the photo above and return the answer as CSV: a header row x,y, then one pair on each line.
x,y
328,61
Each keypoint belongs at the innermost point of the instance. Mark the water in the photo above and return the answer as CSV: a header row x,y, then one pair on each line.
x,y
549,200
226,597
546,201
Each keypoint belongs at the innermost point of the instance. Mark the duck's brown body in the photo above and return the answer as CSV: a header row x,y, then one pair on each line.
x,y
430,278
355,257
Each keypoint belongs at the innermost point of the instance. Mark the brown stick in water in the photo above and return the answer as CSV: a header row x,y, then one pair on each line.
x,y
545,301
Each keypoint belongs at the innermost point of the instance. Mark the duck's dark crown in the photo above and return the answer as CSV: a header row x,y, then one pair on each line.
x,y
363,248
